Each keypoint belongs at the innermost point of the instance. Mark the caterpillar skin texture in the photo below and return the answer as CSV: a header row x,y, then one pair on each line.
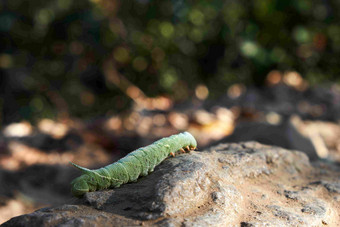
x,y
138,163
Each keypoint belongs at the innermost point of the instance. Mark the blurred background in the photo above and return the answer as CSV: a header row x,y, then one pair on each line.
x,y
85,59
91,80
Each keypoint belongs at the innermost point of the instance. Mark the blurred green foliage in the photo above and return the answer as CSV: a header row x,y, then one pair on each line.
x,y
53,51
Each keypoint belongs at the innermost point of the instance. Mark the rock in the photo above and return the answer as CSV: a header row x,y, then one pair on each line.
x,y
245,184
284,134
314,209
317,139
330,186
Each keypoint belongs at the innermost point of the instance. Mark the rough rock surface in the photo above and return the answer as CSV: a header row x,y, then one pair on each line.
x,y
245,184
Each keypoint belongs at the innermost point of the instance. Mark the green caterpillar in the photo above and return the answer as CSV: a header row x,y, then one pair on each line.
x,y
140,162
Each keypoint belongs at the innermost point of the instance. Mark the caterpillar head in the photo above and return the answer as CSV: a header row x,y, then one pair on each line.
x,y
191,140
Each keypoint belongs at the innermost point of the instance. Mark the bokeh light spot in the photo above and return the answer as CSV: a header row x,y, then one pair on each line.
x,y
274,77
196,17
37,104
273,118
45,16
6,22
236,90
249,48
169,78
294,79
121,54
167,29
18,129
76,48
64,4
6,61
196,35
159,120
320,12
55,129
157,54
178,120
201,92
301,34
114,123
140,64
133,92
87,98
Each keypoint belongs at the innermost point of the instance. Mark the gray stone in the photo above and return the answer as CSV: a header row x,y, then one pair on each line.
x,y
245,184
291,195
314,209
333,187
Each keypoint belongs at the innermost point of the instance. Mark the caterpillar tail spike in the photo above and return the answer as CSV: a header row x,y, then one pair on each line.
x,y
129,168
